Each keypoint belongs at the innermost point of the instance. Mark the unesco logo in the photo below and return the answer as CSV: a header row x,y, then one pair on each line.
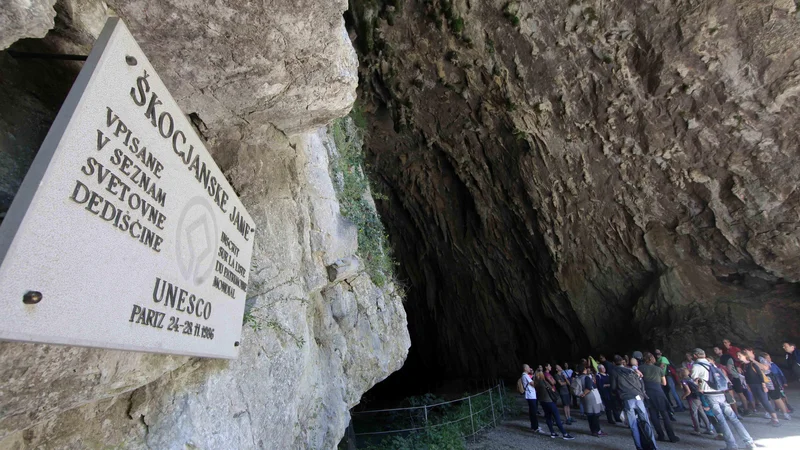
x,y
196,240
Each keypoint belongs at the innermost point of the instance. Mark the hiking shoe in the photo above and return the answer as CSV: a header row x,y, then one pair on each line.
x,y
567,437
774,423
553,435
786,416
767,416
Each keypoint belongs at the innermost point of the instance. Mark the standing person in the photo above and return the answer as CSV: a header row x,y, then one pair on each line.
x,y
731,350
778,379
669,389
691,393
562,383
792,359
606,363
530,397
628,385
773,394
657,402
545,394
548,375
592,403
714,394
757,382
687,361
737,380
604,386
730,394
577,388
567,371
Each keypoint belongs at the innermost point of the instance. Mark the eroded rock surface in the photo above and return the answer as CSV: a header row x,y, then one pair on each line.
x,y
566,175
259,82
25,19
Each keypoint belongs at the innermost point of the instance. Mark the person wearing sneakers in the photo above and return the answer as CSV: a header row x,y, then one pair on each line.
x,y
778,379
711,382
737,380
546,395
530,397
562,387
691,392
591,401
757,382
772,393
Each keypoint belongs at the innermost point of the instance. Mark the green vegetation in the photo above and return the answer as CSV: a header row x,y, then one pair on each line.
x,y
489,46
457,25
352,191
510,13
444,427
590,14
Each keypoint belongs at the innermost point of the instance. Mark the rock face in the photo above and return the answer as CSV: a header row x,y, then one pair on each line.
x,y
25,19
567,175
259,83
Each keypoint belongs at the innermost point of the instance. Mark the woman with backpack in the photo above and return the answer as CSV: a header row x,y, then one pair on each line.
x,y
591,401
547,398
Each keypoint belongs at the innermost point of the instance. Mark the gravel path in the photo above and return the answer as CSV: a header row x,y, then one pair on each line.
x,y
515,434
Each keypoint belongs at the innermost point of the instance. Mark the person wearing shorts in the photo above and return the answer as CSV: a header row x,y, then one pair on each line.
x,y
755,381
735,378
562,383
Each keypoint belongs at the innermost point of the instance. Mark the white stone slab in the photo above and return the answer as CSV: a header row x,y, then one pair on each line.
x,y
122,262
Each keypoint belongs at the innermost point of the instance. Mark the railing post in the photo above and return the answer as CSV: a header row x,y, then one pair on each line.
x,y
502,405
426,415
471,419
491,404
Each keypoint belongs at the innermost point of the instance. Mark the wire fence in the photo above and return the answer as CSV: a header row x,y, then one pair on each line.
x,y
466,417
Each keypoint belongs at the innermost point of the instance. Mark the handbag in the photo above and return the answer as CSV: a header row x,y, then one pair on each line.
x,y
550,392
596,397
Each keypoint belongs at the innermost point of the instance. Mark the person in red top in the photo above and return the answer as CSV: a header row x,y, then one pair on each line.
x,y
732,351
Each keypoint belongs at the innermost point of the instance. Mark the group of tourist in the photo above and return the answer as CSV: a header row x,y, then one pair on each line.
x,y
642,392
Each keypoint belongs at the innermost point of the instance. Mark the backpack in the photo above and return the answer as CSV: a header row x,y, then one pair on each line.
x,y
577,385
645,432
716,379
520,386
673,372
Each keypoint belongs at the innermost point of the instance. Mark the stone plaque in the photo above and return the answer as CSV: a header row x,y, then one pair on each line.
x,y
125,234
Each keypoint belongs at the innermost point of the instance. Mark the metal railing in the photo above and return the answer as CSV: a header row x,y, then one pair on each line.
x,y
483,410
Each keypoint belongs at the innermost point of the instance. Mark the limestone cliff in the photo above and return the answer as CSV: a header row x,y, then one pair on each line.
x,y
575,174
259,81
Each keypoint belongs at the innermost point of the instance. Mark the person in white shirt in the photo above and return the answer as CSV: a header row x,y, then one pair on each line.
x,y
716,398
530,397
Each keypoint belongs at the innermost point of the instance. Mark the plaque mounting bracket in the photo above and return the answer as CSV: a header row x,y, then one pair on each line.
x,y
33,55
